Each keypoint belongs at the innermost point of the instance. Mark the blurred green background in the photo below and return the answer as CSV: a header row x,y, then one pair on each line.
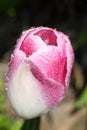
x,y
69,16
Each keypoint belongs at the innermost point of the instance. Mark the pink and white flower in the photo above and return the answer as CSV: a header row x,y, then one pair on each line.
x,y
39,71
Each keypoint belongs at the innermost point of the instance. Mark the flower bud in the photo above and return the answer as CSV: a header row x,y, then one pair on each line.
x,y
39,71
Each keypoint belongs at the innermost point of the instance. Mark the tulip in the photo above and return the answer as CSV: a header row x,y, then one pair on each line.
x,y
39,71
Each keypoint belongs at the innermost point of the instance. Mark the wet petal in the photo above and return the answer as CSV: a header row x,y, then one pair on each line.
x,y
47,35
65,44
31,44
25,94
51,62
52,91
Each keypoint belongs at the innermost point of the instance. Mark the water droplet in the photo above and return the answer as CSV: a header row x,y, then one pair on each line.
x,y
7,78
12,56
45,98
6,89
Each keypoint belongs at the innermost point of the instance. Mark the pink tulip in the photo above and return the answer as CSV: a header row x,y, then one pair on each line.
x,y
39,71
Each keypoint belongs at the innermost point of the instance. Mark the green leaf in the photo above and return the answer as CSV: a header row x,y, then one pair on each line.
x,y
1,85
17,125
5,123
83,99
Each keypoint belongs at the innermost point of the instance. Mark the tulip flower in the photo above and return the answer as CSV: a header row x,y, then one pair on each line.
x,y
39,71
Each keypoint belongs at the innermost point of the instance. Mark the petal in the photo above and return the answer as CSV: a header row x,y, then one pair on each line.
x,y
47,35
31,44
16,59
52,91
24,93
51,62
23,36
65,44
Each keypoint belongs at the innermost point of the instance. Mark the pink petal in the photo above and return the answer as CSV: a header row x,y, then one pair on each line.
x,y
52,91
17,58
51,62
49,67
47,35
64,43
31,44
23,36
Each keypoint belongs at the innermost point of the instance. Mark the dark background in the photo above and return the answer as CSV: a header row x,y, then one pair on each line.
x,y
69,16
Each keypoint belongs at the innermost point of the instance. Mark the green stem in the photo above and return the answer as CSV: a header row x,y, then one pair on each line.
x,y
32,124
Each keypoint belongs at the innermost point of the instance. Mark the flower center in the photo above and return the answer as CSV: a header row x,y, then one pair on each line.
x,y
48,36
